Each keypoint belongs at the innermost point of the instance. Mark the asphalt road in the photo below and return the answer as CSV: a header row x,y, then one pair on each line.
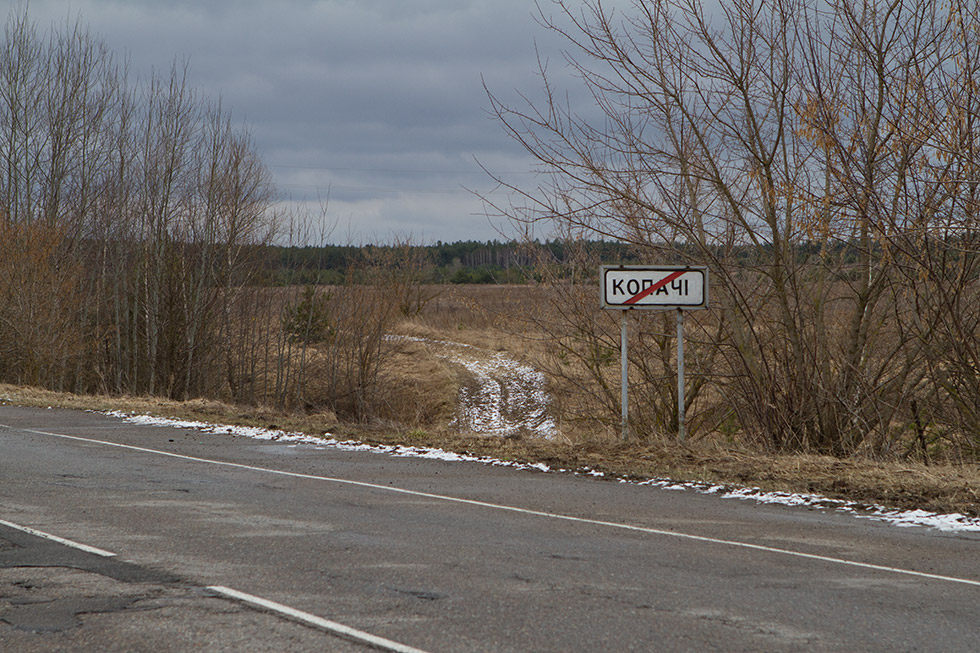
x,y
433,555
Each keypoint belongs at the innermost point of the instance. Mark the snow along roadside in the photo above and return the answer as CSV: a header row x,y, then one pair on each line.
x,y
954,522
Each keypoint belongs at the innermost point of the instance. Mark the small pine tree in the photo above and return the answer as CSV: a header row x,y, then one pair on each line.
x,y
309,322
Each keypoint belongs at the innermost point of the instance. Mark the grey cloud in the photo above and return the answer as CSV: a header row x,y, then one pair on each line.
x,y
351,95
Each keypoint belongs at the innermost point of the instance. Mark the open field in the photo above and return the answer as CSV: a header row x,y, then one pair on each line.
x,y
502,320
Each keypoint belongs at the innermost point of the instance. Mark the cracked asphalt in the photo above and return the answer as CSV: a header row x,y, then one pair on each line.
x,y
57,598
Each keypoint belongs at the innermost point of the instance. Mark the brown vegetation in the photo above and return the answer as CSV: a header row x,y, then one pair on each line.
x,y
420,394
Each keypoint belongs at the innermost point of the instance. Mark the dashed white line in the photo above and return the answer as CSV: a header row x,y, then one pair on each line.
x,y
299,615
59,540
319,622
525,511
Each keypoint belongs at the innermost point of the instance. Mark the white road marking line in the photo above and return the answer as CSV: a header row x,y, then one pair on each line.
x,y
59,540
312,619
326,624
525,511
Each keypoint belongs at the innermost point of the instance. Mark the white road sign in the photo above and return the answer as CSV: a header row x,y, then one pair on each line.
x,y
636,286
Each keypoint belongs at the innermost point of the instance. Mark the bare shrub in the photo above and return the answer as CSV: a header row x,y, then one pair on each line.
x,y
312,349
41,335
402,268
346,370
820,159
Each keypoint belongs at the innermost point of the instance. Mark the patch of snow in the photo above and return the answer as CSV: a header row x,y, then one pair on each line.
x,y
253,432
954,522
507,397
325,442
904,518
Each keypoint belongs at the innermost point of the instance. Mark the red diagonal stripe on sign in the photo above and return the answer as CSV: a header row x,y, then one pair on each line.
x,y
655,287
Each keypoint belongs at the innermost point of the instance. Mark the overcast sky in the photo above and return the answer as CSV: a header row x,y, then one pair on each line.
x,y
378,103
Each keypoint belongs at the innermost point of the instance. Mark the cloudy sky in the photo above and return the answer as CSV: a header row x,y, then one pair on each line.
x,y
377,104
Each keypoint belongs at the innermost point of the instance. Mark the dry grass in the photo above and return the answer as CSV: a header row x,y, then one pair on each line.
x,y
421,402
420,389
939,488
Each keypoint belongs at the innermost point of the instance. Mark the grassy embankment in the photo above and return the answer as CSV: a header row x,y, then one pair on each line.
x,y
488,317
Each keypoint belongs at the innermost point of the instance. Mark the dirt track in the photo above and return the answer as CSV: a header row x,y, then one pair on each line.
x,y
498,395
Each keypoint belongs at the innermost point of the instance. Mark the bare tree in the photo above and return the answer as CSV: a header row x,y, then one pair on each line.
x,y
793,146
148,194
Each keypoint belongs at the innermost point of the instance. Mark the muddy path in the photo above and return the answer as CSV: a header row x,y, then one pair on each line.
x,y
498,395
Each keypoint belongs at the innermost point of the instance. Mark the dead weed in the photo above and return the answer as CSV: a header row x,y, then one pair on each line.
x,y
422,396
938,488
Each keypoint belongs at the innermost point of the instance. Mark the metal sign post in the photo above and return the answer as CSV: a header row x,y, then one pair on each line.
x,y
639,287
680,375
624,365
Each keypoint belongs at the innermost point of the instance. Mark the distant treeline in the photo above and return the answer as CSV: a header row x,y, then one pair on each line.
x,y
461,262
